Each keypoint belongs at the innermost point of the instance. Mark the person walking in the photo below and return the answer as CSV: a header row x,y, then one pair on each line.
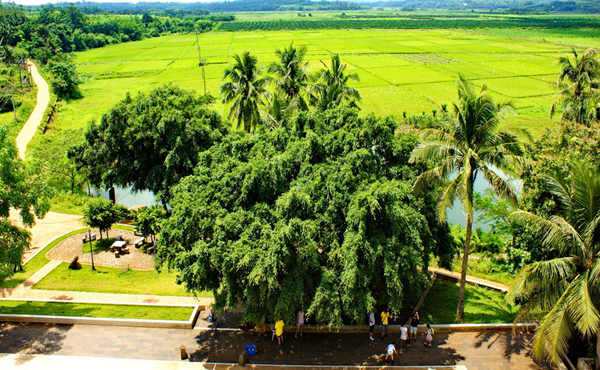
x,y
403,336
279,331
371,325
429,336
390,352
414,325
212,317
300,322
385,315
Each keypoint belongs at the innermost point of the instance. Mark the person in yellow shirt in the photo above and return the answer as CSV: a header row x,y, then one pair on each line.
x,y
279,331
385,315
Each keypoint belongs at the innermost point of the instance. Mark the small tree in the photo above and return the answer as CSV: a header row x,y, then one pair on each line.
x,y
148,220
102,214
65,80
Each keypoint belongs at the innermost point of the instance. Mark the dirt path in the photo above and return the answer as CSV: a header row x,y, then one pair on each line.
x,y
43,99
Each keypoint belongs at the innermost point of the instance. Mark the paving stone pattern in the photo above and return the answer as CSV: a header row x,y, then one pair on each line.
x,y
476,351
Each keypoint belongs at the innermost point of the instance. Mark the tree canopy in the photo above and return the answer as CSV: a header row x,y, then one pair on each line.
x,y
150,141
319,216
102,214
21,190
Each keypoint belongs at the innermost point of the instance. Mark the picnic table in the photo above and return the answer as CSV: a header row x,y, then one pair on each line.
x,y
118,246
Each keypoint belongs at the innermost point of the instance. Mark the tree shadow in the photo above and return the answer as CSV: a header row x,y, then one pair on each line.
x,y
29,339
326,348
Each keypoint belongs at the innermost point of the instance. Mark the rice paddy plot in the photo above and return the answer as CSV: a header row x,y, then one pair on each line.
x,y
400,70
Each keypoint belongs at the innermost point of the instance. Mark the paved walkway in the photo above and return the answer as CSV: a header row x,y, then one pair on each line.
x,y
36,362
46,229
475,351
43,99
471,279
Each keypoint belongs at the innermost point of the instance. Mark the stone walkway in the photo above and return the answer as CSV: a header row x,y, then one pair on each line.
x,y
43,99
475,351
36,362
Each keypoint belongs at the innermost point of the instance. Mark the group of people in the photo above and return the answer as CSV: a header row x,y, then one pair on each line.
x,y
278,329
406,334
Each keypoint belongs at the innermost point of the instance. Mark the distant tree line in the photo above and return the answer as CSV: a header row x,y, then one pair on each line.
x,y
174,8
414,23
51,30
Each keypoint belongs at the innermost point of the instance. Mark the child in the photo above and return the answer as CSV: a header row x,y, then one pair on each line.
x,y
385,315
429,336
279,331
371,325
403,335
390,352
300,322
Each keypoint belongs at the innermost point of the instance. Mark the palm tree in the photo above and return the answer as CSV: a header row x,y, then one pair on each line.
x,y
333,88
291,74
464,146
278,111
245,89
577,86
565,290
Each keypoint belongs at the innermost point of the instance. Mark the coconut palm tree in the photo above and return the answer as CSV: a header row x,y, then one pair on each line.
x,y
464,145
245,90
565,291
291,74
278,111
333,86
577,86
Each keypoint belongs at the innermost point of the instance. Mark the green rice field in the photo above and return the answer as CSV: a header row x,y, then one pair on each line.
x,y
410,71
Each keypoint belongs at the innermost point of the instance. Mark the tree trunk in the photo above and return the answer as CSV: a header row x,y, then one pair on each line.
x,y
112,195
460,310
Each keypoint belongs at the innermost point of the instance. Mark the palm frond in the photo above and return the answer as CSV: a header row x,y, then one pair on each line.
x,y
583,307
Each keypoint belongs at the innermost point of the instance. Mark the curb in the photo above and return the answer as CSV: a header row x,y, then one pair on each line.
x,y
139,323
439,328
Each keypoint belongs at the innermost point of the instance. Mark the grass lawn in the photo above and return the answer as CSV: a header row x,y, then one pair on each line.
x,y
96,310
40,260
482,305
112,280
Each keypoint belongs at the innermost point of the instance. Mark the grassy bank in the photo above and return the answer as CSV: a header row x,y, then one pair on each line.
x,y
482,305
95,310
112,280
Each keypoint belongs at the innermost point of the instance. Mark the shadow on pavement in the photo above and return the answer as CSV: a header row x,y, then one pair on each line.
x,y
318,349
42,339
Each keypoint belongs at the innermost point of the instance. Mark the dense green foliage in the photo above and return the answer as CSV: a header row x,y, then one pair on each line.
x,y
20,190
150,141
409,23
65,79
55,29
320,216
564,291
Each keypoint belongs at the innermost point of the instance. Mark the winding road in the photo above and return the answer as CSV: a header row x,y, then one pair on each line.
x,y
53,224
35,119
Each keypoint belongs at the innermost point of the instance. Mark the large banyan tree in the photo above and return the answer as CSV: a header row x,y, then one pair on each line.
x,y
318,216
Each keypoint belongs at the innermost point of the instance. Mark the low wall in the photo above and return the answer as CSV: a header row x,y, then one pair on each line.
x,y
139,323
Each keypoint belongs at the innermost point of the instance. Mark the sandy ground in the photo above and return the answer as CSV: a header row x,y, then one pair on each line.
x,y
43,99
67,249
